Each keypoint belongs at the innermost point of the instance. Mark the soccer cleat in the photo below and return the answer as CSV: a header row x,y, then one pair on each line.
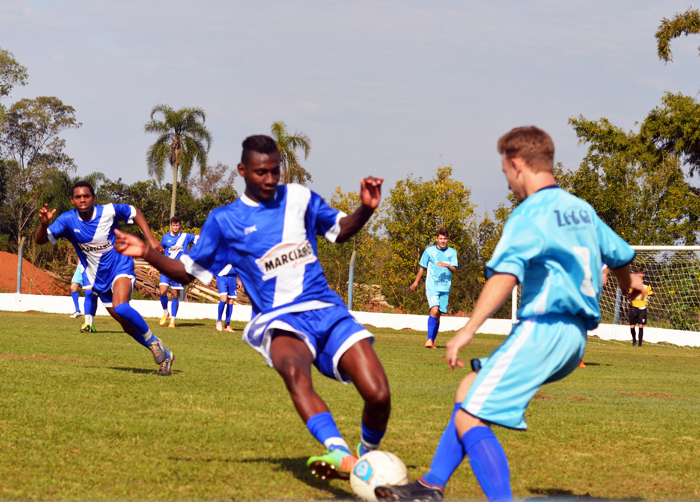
x,y
336,464
634,343
165,366
418,491
228,328
75,315
164,319
172,323
159,354
85,328
218,326
429,344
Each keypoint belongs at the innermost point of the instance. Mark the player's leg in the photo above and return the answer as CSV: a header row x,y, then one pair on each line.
x,y
175,288
633,324
133,324
433,321
163,286
90,307
229,311
361,364
76,299
443,300
223,298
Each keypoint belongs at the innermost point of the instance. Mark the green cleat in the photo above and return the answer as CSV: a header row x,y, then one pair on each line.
x,y
87,328
336,464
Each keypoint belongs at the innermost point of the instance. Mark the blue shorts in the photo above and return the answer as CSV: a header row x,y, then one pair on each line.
x,y
539,350
227,284
439,299
328,332
125,270
167,281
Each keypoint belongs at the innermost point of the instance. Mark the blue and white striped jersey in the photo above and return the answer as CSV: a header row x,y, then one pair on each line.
x,y
93,240
438,279
554,244
175,246
272,246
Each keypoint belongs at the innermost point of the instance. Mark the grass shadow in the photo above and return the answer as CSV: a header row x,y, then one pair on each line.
x,y
297,467
551,494
139,370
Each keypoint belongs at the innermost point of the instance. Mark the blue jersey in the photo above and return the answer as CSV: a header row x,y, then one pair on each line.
x,y
555,244
272,246
175,246
93,240
438,279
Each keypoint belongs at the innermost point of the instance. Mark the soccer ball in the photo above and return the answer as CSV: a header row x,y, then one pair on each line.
x,y
376,468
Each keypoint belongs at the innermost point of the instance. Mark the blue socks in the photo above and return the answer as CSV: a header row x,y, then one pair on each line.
x,y
175,305
93,304
323,428
87,306
221,310
164,301
370,439
433,327
75,296
448,455
489,463
229,310
143,335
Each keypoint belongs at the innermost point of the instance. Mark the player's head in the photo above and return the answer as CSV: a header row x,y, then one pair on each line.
x,y
525,151
82,196
260,167
175,224
442,237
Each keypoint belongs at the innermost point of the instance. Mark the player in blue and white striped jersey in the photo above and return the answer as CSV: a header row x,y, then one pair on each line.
x,y
175,244
269,236
90,229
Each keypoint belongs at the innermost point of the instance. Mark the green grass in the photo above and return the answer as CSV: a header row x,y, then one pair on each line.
x,y
85,417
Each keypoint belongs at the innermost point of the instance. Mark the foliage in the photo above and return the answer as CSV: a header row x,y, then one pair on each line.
x,y
12,73
288,144
686,24
183,141
214,179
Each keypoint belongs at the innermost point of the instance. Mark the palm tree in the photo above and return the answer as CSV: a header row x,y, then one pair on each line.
x,y
292,171
183,141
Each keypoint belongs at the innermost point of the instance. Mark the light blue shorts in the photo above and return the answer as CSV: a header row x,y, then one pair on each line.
x,y
539,350
439,299
227,284
328,332
167,281
77,277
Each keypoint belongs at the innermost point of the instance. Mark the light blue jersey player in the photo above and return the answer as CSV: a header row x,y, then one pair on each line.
x,y
269,236
90,229
175,244
552,245
227,284
440,262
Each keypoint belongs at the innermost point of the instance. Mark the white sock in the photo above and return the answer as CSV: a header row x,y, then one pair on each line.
x,y
165,311
336,441
89,320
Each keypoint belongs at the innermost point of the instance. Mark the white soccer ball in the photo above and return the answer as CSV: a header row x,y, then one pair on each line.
x,y
376,468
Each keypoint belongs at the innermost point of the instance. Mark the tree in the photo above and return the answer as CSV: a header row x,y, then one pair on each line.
x,y
183,141
687,23
215,178
292,171
32,148
12,73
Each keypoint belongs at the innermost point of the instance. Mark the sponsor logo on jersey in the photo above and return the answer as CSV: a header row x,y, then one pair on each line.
x,y
572,217
175,249
96,247
284,257
250,230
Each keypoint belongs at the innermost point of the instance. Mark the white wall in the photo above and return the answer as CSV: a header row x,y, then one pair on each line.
x,y
13,302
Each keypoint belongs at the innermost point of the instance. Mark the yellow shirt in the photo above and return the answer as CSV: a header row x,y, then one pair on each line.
x,y
642,301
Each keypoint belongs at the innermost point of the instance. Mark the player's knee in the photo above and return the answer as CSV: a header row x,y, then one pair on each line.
x,y
380,397
291,370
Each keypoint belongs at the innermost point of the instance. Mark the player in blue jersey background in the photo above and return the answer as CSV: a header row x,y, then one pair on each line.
x,y
90,229
553,245
269,236
175,244
440,262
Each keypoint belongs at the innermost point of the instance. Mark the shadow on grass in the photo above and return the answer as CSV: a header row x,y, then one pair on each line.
x,y
550,494
139,370
297,467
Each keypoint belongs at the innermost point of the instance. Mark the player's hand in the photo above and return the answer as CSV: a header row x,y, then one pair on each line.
x,y
129,245
45,215
371,191
443,264
156,245
456,343
413,286
636,287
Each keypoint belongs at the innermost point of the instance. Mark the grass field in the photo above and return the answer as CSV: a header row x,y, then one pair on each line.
x,y
85,417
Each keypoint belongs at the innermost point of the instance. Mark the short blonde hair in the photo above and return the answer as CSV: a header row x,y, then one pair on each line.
x,y
531,144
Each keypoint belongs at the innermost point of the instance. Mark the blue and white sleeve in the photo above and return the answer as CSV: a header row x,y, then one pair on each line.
x,y
324,219
57,229
520,242
210,255
125,212
614,251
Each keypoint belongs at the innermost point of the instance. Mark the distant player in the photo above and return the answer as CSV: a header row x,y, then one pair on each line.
x,y
552,244
638,309
269,235
175,244
90,229
227,284
441,262
79,280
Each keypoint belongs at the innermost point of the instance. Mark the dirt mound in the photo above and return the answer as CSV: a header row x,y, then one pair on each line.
x,y
34,280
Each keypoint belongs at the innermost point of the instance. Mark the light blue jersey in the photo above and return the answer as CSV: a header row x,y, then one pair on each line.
x,y
554,244
438,279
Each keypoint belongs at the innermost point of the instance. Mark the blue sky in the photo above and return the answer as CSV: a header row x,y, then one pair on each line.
x,y
382,87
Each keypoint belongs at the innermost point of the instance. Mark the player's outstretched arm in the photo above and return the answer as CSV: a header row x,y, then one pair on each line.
x,y
140,220
371,196
629,281
495,292
130,245
42,235
414,286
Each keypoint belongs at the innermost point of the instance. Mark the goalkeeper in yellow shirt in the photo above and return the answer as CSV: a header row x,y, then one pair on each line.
x,y
638,309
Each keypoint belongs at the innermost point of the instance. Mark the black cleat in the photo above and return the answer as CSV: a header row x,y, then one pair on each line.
x,y
418,491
